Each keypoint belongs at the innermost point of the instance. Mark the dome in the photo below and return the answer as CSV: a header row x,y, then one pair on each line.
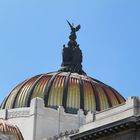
x,y
6,128
70,90
69,87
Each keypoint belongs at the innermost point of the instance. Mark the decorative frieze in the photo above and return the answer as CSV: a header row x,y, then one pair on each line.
x,y
20,113
63,135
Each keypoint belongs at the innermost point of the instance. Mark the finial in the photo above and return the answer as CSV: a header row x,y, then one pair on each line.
x,y
72,42
74,29
72,54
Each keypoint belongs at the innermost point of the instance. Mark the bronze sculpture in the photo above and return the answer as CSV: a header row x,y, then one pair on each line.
x,y
72,55
72,42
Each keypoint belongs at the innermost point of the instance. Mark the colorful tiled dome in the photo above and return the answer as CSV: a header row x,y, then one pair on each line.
x,y
8,129
70,90
69,87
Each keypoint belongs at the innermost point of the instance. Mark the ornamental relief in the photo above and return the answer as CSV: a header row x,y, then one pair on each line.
x,y
15,114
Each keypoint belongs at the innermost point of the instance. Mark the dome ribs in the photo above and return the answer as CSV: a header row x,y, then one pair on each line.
x,y
73,95
20,137
89,97
14,100
30,92
118,96
95,92
2,106
7,128
65,90
108,97
73,91
38,90
48,87
112,96
18,92
81,94
56,92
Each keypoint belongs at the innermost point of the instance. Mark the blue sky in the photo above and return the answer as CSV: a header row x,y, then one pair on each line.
x,y
32,33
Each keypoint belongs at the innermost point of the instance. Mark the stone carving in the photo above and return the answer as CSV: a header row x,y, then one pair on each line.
x,y
15,114
63,135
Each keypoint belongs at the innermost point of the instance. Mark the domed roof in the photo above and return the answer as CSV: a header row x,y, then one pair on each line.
x,y
69,87
7,128
70,90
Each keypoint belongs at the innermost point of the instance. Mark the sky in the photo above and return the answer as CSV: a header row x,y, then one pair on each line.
x,y
32,34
